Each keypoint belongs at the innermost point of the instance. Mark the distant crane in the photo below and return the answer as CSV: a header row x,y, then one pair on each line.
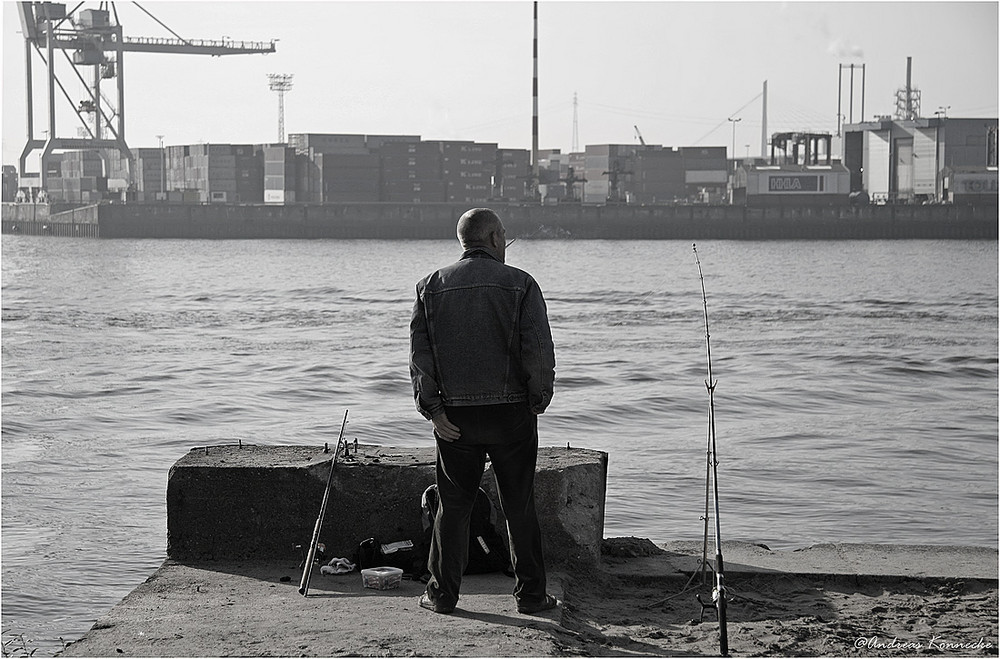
x,y
97,42
615,175
571,180
639,135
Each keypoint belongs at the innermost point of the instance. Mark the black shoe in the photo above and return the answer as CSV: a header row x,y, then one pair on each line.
x,y
436,607
528,608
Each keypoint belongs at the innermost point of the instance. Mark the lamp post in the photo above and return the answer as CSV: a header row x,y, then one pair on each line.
x,y
734,121
162,167
732,175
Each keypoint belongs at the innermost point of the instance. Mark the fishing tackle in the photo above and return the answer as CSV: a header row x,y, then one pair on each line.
x,y
307,570
719,592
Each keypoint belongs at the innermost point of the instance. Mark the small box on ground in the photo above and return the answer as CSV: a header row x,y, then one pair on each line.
x,y
381,578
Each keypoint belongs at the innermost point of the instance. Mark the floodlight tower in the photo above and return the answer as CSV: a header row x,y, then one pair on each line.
x,y
281,83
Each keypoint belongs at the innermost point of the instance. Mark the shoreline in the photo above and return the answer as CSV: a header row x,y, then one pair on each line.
x,y
833,599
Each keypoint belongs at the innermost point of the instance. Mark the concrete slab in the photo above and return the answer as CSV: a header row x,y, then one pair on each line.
x,y
249,502
241,609
253,608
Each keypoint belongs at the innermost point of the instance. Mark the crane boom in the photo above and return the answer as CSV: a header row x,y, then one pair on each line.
x,y
639,135
97,41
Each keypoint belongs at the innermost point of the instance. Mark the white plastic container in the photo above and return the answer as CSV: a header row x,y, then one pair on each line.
x,y
381,578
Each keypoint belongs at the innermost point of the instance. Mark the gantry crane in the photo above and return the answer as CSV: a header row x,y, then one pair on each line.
x,y
615,175
95,36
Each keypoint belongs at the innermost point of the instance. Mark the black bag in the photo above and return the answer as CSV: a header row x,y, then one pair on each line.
x,y
487,550
404,554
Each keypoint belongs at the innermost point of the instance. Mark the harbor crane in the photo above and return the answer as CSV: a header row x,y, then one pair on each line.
x,y
615,176
571,180
97,42
639,135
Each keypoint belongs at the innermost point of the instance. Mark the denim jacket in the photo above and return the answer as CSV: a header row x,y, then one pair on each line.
x,y
480,335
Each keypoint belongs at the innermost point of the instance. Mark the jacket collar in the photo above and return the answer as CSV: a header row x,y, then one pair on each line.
x,y
479,253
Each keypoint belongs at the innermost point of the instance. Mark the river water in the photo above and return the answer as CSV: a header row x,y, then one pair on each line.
x,y
856,397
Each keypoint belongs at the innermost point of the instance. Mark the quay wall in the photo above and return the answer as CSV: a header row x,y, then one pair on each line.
x,y
381,220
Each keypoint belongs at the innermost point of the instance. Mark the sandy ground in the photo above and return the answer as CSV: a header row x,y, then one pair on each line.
x,y
621,608
781,615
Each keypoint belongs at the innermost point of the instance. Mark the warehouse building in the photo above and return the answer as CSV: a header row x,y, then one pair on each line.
x,y
923,160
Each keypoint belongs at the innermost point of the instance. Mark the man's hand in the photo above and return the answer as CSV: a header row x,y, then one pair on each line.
x,y
445,429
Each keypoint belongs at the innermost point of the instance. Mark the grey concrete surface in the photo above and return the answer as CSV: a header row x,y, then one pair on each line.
x,y
253,608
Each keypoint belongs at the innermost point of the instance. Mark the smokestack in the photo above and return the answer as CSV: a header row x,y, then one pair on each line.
x,y
763,124
862,92
909,88
534,112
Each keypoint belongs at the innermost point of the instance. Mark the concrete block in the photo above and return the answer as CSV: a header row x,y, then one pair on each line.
x,y
259,502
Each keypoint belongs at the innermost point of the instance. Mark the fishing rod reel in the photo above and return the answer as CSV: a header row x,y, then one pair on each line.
x,y
714,604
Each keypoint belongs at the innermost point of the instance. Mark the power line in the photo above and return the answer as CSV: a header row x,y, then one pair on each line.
x,y
731,114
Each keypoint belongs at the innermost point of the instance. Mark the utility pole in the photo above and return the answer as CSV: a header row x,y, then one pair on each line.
x,y
281,83
534,112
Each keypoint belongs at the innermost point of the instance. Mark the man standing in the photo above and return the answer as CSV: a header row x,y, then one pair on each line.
x,y
482,366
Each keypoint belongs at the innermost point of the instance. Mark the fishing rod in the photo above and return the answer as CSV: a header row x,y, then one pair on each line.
x,y
719,592
307,569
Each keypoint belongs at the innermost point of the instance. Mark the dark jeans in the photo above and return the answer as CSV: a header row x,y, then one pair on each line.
x,y
460,467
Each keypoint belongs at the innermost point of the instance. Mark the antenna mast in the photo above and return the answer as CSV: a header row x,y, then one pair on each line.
x,y
281,83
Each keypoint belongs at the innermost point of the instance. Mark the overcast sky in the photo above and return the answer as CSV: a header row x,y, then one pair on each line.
x,y
462,70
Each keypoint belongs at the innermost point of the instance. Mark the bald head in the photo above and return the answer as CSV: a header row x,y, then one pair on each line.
x,y
480,227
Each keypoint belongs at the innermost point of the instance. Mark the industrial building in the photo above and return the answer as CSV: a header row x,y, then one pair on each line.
x,y
801,171
923,160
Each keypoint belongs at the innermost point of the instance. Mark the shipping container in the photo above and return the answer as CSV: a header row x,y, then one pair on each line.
x,y
375,142
318,143
706,177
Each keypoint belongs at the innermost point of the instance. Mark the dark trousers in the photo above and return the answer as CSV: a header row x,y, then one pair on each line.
x,y
460,467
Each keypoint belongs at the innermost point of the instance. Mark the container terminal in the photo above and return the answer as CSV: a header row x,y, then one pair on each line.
x,y
898,176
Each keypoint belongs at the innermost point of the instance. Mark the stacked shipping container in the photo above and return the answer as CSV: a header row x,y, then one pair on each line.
x,y
658,176
321,168
280,175
336,168
77,177
467,170
412,172
510,175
